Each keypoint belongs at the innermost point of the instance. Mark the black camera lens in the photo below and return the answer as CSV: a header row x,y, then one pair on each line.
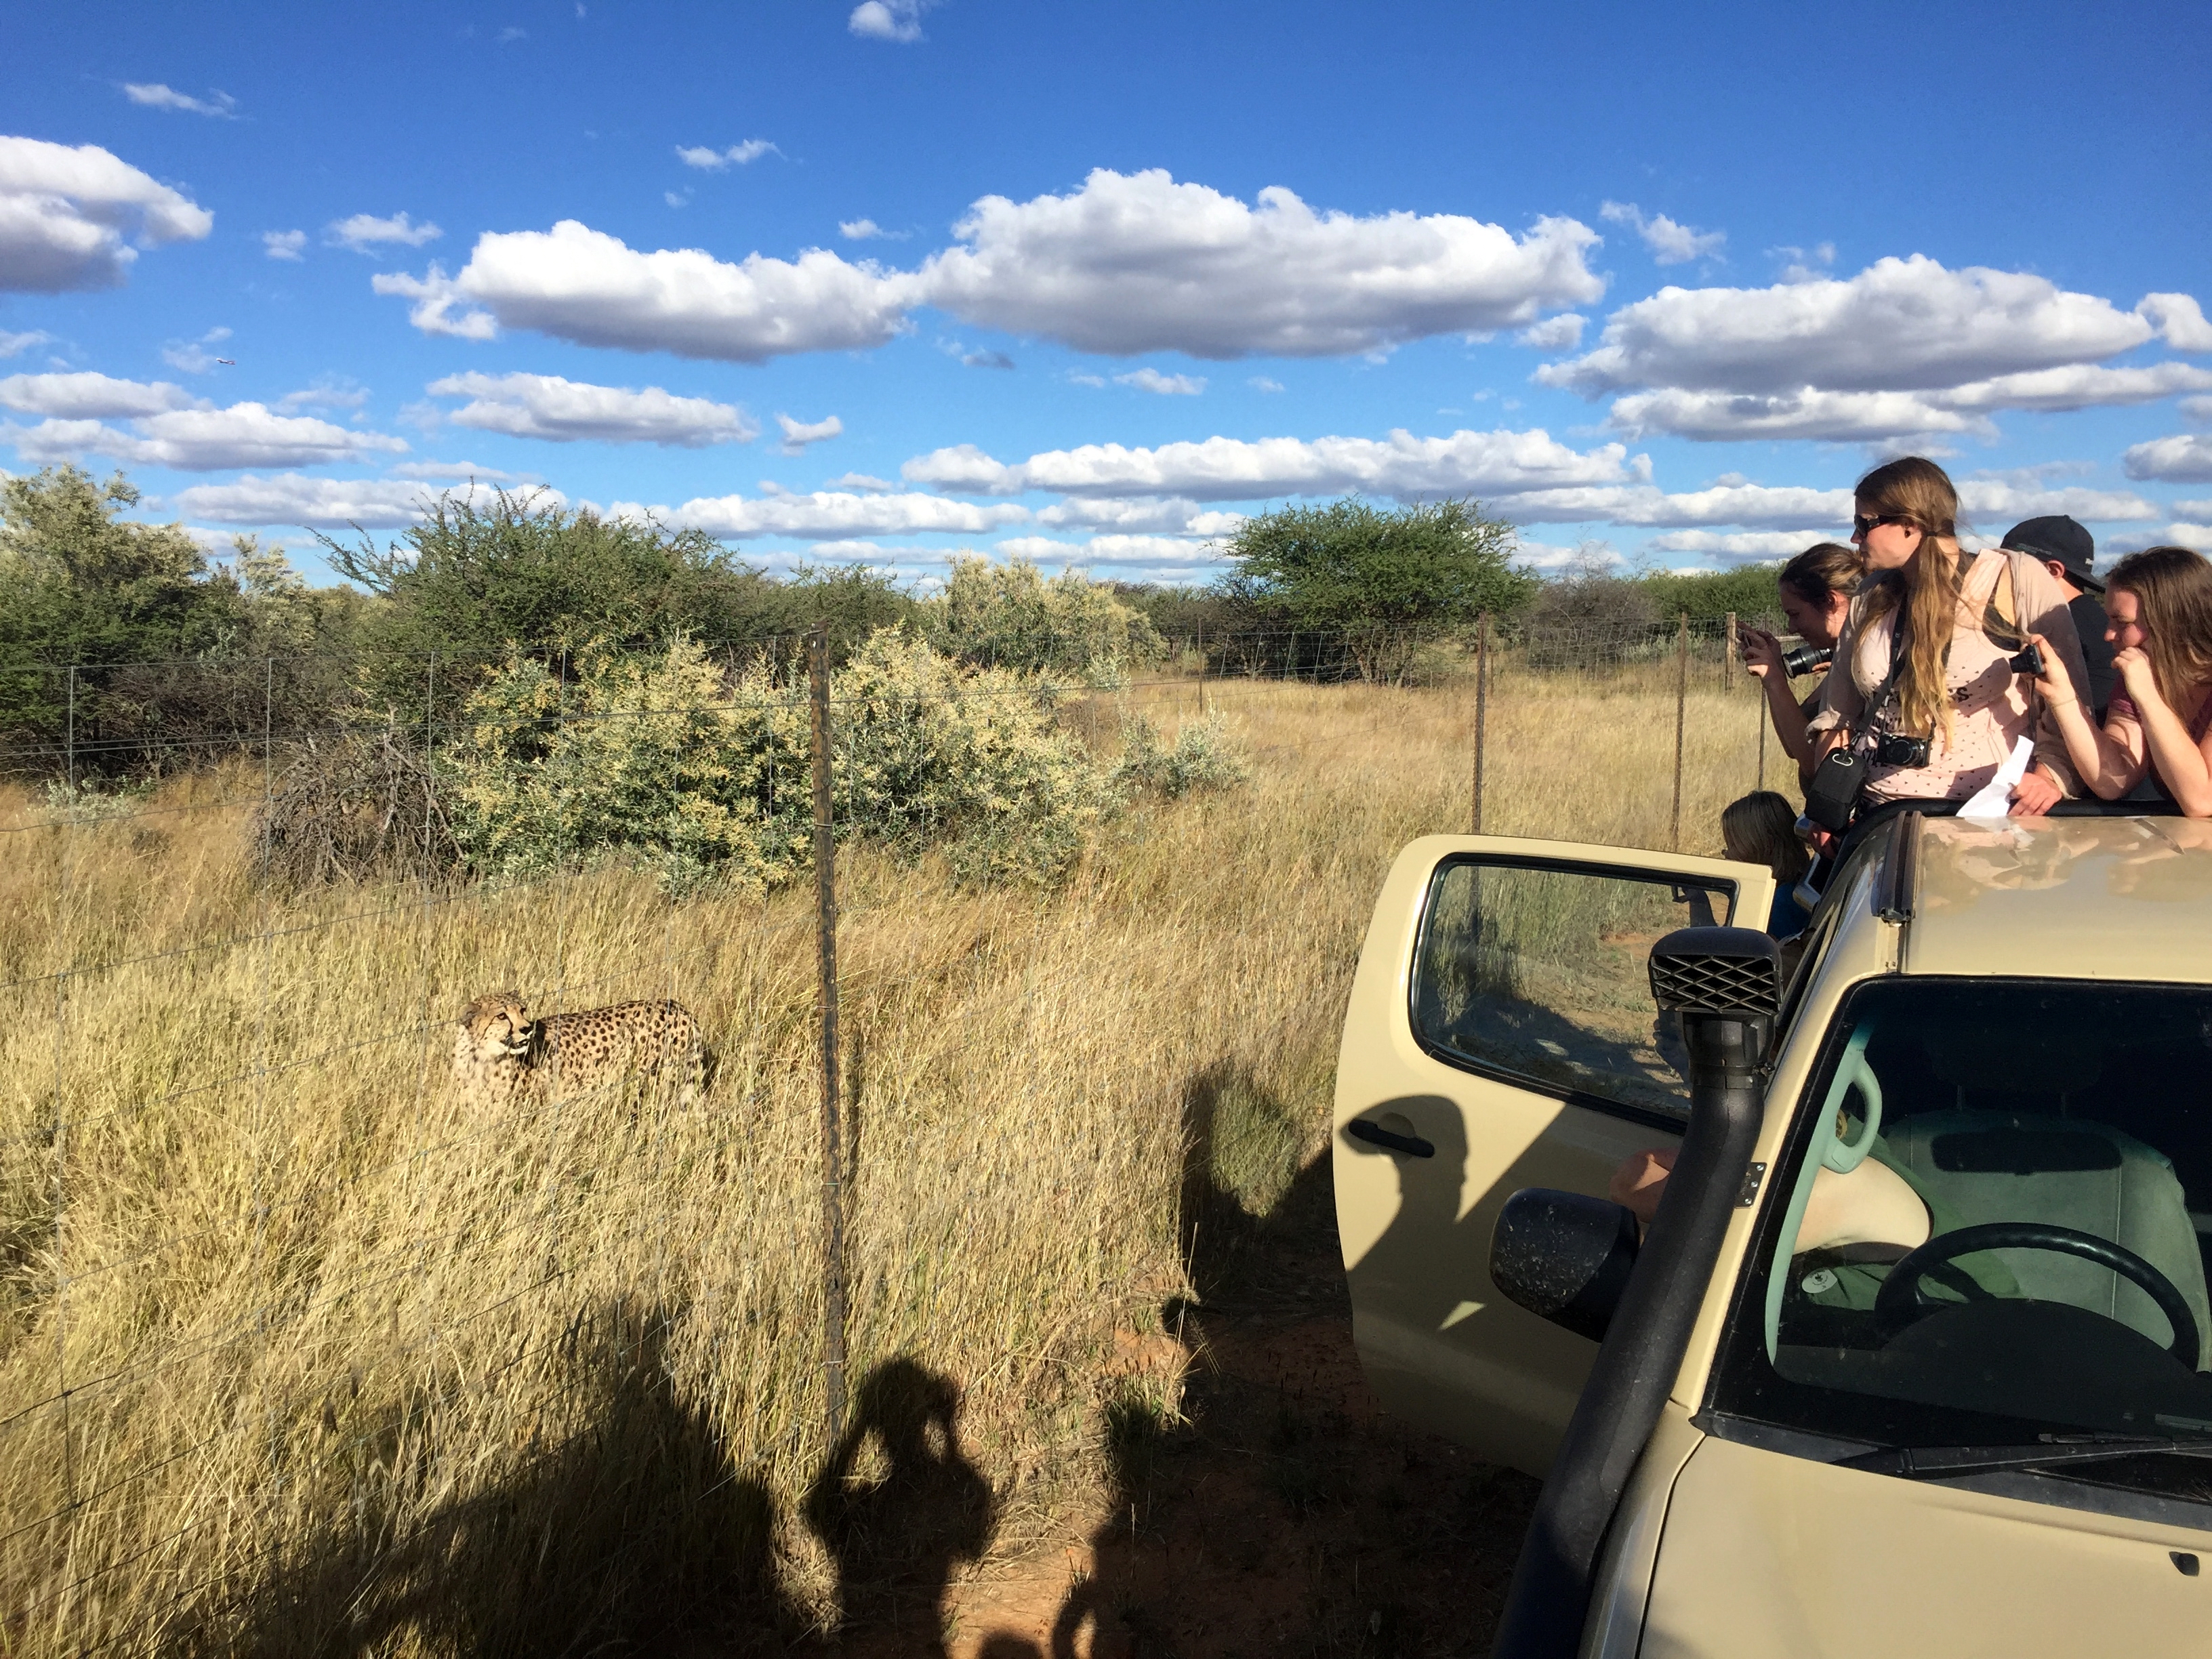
x,y
2029,661
1898,749
1804,658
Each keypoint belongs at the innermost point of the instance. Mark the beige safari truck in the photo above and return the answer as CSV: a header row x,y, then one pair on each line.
x,y
1762,1430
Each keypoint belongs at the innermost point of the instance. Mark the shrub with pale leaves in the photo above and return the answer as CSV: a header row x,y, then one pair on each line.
x,y
1011,615
706,776
1203,757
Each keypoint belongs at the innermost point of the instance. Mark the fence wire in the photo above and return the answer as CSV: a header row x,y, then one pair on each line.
x,y
290,1320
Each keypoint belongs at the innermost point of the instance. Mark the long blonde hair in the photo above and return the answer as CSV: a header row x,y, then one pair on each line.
x,y
2173,588
1917,490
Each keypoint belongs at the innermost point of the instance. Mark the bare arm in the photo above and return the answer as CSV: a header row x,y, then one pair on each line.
x,y
1762,658
2109,760
2182,764
2044,616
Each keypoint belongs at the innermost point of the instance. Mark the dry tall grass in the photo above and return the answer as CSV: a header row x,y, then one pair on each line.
x,y
297,1354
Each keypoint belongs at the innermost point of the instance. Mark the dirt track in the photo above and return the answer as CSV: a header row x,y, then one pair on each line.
x,y
1284,1514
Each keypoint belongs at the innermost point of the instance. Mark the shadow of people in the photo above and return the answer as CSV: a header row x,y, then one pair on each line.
x,y
897,1529
629,1528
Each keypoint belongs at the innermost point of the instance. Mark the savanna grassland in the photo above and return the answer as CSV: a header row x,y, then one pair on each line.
x,y
301,1353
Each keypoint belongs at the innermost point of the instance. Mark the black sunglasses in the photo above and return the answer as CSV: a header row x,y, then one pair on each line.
x,y
1860,525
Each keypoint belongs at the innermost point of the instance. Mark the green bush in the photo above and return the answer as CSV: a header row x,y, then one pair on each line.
x,y
1203,757
1011,616
705,776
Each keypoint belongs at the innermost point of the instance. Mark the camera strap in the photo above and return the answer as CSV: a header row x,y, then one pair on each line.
x,y
1864,725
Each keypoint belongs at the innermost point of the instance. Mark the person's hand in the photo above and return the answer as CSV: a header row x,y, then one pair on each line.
x,y
1641,1180
2055,684
1762,653
2035,794
2133,668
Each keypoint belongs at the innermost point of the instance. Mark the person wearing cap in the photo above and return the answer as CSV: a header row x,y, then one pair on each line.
x,y
2069,552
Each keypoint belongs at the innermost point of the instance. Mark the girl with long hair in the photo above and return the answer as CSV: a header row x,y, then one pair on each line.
x,y
1762,829
1816,589
2158,729
1928,643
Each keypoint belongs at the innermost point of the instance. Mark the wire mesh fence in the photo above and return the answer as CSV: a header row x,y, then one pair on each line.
x,y
317,1334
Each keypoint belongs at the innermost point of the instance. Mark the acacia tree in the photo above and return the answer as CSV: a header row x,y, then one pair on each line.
x,y
1385,582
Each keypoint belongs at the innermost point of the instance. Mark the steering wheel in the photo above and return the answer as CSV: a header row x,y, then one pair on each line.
x,y
1896,1305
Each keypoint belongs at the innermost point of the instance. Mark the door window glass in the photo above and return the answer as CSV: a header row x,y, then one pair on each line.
x,y
1540,973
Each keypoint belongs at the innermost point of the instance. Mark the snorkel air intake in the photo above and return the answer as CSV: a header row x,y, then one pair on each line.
x,y
1724,983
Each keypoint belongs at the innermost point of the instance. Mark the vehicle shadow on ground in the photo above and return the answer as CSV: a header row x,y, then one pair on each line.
x,y
1280,1511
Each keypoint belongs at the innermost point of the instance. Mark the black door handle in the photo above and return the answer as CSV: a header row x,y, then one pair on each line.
x,y
1375,1135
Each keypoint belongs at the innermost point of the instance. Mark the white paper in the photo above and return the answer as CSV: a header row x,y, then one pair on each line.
x,y
1995,798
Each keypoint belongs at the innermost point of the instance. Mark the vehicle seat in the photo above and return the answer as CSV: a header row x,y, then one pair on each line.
x,y
2008,1166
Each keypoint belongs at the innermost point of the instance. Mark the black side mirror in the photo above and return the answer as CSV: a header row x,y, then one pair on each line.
x,y
1565,1257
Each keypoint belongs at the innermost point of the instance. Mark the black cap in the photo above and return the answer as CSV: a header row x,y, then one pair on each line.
x,y
2061,539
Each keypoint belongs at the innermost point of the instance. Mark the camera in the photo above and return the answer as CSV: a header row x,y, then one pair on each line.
x,y
1895,748
1804,658
2029,661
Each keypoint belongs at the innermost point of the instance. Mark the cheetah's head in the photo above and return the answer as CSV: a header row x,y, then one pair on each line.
x,y
498,1023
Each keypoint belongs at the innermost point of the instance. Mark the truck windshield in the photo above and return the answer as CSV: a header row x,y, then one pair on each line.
x,y
1990,1227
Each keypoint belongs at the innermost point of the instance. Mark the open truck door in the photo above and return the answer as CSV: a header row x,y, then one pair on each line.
x,y
1501,1034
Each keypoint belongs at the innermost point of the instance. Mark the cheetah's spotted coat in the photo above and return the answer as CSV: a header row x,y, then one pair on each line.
x,y
500,1048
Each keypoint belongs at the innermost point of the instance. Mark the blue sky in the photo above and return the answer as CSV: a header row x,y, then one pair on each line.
x,y
1089,282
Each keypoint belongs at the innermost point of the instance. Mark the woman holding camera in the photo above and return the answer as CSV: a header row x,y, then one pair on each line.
x,y
2158,729
1816,589
1925,701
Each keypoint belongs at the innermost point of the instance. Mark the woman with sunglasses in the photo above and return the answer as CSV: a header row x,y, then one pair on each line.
x,y
1930,641
2156,740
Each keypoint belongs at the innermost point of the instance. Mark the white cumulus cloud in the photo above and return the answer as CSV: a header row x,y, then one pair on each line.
x,y
69,216
867,230
203,439
1671,244
709,160
1125,265
563,410
457,472
364,233
1484,464
1867,417
1134,263
1741,544
797,435
582,285
283,243
1161,558
888,19
830,514
87,396
1166,385
152,95
2185,457
1900,324
12,345
319,503
1561,333
2179,318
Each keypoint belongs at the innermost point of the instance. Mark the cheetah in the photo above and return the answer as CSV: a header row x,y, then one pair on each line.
x,y
500,1048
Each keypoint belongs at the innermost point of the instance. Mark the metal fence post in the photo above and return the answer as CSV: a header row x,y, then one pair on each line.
x,y
825,899
1201,670
1760,709
1682,704
1727,656
1481,708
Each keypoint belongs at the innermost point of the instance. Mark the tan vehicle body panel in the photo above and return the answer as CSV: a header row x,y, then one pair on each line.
x,y
1442,1347
1764,1554
1720,1548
